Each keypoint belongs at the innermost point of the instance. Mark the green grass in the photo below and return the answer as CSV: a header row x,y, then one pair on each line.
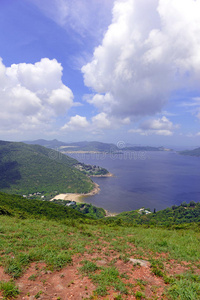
x,y
34,231
88,267
23,241
109,277
185,287
9,289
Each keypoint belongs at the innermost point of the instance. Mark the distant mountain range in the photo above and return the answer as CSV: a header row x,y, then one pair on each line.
x,y
195,152
27,169
91,146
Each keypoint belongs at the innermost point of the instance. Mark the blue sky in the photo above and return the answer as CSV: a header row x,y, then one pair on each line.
x,y
107,70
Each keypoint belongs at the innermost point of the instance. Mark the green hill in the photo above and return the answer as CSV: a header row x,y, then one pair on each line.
x,y
175,215
28,169
195,152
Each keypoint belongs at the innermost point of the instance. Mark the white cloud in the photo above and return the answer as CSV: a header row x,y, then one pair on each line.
x,y
87,18
150,50
32,95
76,123
101,121
162,126
96,124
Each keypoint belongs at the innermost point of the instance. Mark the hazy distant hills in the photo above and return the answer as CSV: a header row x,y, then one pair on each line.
x,y
92,146
195,152
33,168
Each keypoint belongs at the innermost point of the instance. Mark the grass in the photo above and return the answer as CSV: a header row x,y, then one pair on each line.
x,y
9,289
108,277
23,241
88,267
185,287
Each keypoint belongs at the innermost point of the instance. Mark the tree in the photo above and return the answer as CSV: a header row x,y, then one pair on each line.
x,y
192,204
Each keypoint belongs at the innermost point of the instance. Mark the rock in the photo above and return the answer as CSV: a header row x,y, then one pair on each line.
x,y
101,262
143,263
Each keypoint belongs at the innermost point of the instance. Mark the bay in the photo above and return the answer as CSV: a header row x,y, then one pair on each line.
x,y
144,179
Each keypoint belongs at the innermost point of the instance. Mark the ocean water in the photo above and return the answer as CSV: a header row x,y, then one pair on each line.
x,y
144,179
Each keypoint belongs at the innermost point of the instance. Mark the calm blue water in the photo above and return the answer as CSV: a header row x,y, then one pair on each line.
x,y
152,179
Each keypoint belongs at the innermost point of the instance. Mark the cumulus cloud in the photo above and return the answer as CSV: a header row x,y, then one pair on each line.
x,y
76,123
162,126
101,121
32,95
150,50
97,124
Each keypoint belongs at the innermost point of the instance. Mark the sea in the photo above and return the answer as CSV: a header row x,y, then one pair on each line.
x,y
154,180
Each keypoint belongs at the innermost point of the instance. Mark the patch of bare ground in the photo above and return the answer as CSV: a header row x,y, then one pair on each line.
x,y
69,283
3,276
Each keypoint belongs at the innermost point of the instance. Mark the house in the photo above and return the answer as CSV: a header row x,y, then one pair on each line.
x,y
71,203
142,210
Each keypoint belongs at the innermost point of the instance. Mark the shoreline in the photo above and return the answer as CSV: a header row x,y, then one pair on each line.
x,y
77,197
105,175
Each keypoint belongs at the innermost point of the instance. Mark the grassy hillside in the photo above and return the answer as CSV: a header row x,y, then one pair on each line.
x,y
195,152
32,168
45,254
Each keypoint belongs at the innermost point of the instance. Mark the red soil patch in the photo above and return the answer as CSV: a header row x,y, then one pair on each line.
x,y
3,276
69,283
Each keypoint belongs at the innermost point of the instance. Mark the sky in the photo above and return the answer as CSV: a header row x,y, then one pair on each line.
x,y
108,70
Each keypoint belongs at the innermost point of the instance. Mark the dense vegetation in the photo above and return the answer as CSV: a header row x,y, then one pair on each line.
x,y
175,215
39,231
195,152
28,169
85,208
91,170
15,205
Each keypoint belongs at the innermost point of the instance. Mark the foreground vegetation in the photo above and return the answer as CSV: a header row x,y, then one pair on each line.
x,y
57,238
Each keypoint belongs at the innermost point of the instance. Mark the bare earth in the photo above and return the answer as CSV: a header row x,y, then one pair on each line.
x,y
69,283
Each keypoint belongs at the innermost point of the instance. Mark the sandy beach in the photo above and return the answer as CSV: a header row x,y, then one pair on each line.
x,y
77,197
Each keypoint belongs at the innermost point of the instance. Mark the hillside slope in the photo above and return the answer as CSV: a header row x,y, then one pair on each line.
x,y
47,253
32,168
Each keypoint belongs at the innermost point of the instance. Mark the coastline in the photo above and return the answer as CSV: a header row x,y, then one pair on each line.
x,y
77,197
106,175
110,214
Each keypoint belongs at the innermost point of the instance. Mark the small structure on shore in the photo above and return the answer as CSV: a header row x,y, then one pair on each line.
x,y
71,203
143,210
